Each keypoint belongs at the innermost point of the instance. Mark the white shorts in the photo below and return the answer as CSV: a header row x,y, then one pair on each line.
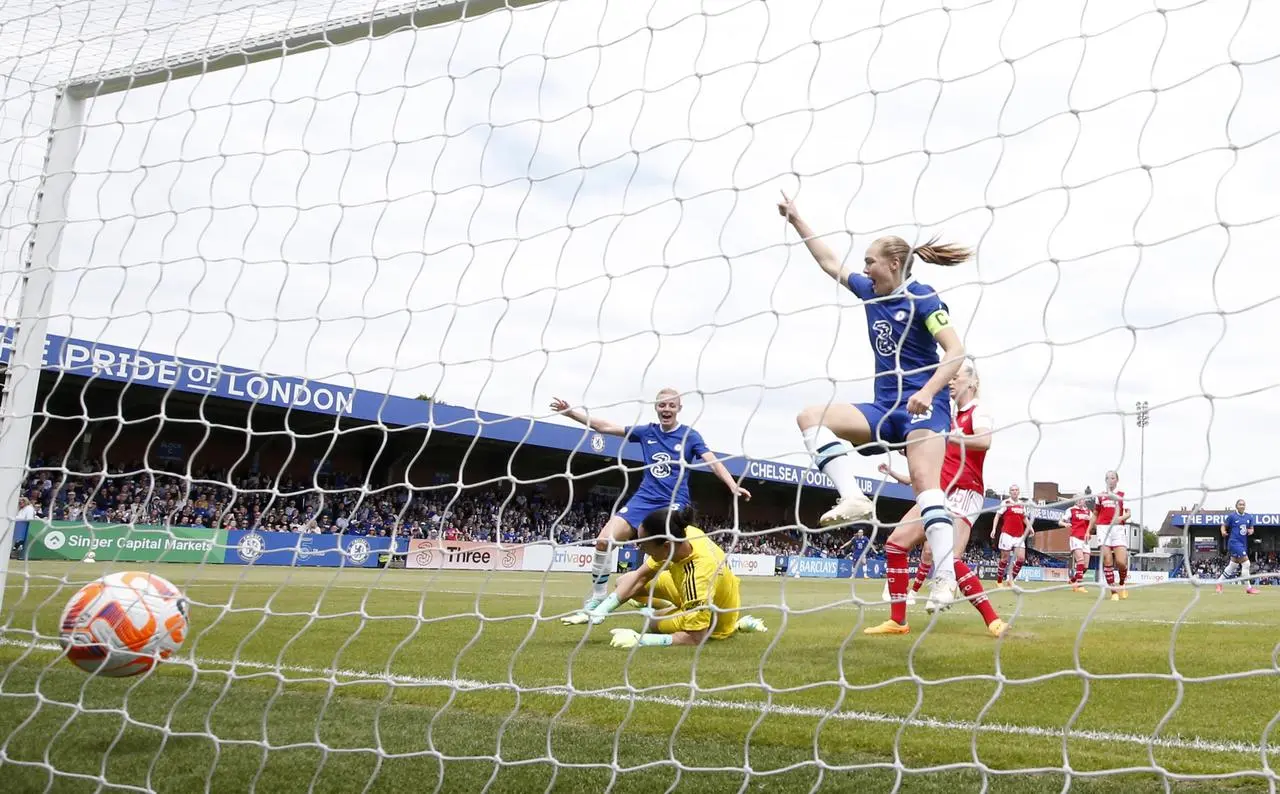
x,y
1114,535
1077,543
966,504
1009,542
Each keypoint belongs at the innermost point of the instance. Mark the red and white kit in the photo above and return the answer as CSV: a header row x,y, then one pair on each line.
x,y
1079,516
1110,531
1013,524
962,466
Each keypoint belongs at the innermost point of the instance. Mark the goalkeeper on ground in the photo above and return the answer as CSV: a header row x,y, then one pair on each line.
x,y
691,591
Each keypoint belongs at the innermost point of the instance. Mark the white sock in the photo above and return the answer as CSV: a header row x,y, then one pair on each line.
x,y
1244,573
831,455
939,532
1229,572
599,574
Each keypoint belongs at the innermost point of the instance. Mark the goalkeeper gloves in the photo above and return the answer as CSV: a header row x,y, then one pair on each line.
x,y
594,615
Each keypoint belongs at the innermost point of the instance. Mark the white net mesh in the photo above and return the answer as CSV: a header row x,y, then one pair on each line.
x,y
564,199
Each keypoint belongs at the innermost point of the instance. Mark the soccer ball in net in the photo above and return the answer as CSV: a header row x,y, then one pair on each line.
x,y
123,623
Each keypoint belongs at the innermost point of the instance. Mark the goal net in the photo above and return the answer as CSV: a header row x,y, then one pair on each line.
x,y
289,287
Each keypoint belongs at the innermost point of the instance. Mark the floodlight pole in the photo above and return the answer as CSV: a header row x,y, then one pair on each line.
x,y
1144,418
26,356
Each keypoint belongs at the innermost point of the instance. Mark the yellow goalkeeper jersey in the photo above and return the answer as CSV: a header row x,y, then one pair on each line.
x,y
691,583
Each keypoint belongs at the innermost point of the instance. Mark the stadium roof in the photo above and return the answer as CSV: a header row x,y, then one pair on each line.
x,y
157,370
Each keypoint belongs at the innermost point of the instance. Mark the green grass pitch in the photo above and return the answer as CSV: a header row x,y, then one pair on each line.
x,y
351,680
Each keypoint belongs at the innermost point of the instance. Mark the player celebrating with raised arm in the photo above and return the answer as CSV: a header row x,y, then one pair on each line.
x,y
686,576
1080,519
1237,529
665,445
1113,535
962,478
906,322
1013,522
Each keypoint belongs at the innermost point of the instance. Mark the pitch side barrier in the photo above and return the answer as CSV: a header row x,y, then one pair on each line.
x,y
73,540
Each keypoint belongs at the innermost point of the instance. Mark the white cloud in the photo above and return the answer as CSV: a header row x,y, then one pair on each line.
x,y
577,200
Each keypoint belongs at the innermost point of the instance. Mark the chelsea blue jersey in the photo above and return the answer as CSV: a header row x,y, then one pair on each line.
x,y
663,453
1237,527
901,326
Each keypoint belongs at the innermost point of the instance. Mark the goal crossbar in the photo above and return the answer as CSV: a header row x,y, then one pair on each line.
x,y
374,24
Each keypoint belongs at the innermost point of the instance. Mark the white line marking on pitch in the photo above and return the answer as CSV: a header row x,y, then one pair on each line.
x,y
618,694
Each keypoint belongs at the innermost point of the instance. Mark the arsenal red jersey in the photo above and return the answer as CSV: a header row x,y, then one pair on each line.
x,y
1110,508
1013,518
1079,516
962,466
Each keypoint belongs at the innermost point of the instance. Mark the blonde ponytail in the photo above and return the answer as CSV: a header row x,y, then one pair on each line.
x,y
933,252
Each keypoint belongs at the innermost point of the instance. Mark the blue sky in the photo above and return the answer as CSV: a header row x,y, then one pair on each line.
x,y
567,201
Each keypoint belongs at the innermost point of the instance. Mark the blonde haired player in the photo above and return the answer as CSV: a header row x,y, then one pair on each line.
x,y
962,478
1013,523
666,446
1113,535
692,592
906,324
1080,520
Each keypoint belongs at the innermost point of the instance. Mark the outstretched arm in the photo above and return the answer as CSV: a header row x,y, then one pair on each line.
x,y
599,425
822,253
725,476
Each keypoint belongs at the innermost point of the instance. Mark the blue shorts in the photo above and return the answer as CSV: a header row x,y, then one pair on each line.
x,y
641,505
890,424
1237,551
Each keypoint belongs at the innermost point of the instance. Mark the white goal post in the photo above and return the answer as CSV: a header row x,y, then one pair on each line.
x,y
1111,163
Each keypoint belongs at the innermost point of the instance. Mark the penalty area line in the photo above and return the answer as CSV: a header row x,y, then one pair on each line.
x,y
358,677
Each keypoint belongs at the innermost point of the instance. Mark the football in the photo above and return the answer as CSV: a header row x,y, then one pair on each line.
x,y
123,624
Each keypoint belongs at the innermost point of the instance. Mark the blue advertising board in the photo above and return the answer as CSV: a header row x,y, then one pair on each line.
x,y
819,567
871,569
251,547
629,557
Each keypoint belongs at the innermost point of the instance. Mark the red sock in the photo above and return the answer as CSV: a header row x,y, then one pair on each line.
x,y
922,573
897,570
972,590
1110,574
1000,569
1080,572
1124,573
1017,569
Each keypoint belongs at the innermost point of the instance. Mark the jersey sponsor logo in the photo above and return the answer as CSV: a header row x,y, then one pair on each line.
x,y
885,344
661,466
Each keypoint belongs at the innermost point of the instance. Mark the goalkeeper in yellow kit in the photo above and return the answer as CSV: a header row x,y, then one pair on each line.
x,y
692,591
